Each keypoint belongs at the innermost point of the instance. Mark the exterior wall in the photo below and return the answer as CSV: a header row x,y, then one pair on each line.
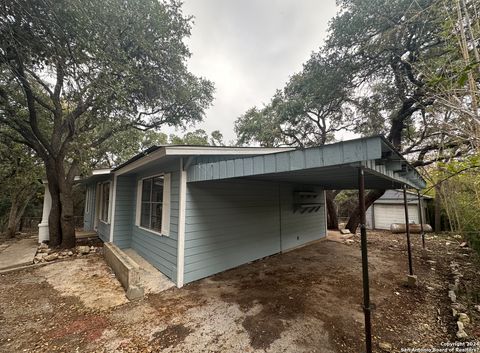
x,y
386,214
124,211
103,231
232,222
159,250
300,228
89,210
390,209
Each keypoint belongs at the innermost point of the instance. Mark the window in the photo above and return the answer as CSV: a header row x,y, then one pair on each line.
x,y
153,203
104,201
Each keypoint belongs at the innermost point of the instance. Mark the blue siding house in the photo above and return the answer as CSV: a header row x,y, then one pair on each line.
x,y
193,211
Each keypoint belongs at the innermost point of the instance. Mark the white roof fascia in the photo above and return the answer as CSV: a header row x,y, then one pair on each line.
x,y
142,161
101,171
198,151
219,151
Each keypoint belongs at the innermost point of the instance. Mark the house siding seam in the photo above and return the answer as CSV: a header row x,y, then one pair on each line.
x,y
232,222
160,251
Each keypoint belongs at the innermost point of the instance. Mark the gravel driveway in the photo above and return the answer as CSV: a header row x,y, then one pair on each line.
x,y
306,300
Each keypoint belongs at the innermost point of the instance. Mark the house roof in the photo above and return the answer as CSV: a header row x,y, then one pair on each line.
x,y
157,152
333,166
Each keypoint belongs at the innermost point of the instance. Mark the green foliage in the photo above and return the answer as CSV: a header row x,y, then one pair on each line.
x,y
20,170
459,191
307,112
82,72
198,137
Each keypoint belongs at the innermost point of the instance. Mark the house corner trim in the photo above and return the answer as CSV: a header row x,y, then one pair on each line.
x,y
181,226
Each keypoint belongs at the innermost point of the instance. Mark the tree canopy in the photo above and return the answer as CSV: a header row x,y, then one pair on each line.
x,y
74,74
404,69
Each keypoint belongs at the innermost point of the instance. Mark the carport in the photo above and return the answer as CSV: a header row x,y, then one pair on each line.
x,y
366,163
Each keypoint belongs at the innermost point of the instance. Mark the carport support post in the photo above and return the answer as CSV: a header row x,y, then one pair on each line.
x,y
420,207
363,236
407,229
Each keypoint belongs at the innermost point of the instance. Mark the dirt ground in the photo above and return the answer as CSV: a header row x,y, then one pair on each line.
x,y
306,300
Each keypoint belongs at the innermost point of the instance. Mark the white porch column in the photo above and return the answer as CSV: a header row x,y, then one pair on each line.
x,y
43,232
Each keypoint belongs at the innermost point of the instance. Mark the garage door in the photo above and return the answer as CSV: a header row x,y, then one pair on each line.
x,y
385,215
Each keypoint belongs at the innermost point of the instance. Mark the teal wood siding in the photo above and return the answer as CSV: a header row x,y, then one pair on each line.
x,y
89,210
232,222
124,211
159,250
300,228
103,231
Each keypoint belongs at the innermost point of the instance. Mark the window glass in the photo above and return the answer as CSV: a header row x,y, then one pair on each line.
x,y
151,203
145,215
105,188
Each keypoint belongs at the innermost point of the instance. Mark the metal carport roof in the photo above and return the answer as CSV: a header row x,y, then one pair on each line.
x,y
333,166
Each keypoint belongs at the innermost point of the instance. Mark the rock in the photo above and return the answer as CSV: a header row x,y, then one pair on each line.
x,y
452,296
463,318
464,244
460,307
349,241
43,250
412,281
477,307
83,249
453,287
135,293
461,330
70,253
43,246
454,312
457,236
385,346
51,257
345,231
447,243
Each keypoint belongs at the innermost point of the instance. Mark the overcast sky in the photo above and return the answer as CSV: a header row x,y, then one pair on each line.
x,y
249,48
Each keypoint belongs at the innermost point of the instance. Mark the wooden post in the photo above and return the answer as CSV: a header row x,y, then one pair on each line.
x,y
366,286
407,228
420,207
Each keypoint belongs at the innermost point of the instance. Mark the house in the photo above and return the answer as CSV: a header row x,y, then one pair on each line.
x,y
193,211
390,209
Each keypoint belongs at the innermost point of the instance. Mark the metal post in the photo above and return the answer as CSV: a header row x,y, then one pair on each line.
x,y
366,287
407,229
420,207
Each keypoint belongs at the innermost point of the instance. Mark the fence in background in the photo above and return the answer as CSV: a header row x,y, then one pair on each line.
x,y
30,224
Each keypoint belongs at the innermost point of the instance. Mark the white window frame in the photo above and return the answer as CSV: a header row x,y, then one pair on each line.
x,y
109,206
165,231
88,199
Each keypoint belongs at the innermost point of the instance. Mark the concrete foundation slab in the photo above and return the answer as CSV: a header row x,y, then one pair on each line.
x,y
125,269
18,254
151,279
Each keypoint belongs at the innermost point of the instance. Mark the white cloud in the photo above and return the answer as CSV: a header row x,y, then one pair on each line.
x,y
249,48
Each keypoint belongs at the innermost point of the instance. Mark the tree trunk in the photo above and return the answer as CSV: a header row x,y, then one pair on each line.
x,y
67,217
438,206
332,217
354,219
13,218
20,201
